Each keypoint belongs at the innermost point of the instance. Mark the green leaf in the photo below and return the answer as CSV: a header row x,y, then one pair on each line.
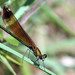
x,y
2,2
4,61
26,71
20,2
28,2
25,58
1,35
13,60
16,4
21,11
12,40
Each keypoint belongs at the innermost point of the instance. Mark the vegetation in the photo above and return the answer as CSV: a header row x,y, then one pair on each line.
x,y
50,24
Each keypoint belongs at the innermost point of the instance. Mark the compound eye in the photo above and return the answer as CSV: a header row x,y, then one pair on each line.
x,y
40,57
45,55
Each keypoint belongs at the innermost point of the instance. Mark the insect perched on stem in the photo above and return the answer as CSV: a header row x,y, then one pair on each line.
x,y
15,27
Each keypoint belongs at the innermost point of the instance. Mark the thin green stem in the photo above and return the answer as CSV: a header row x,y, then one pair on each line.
x,y
4,47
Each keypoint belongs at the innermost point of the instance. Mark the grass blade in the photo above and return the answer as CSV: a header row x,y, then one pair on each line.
x,y
25,58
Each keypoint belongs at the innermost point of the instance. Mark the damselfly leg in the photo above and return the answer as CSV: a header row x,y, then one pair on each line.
x,y
25,54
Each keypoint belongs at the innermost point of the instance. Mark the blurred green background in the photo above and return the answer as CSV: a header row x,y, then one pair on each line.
x,y
52,28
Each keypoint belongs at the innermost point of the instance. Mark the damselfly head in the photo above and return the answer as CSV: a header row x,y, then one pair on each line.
x,y
42,57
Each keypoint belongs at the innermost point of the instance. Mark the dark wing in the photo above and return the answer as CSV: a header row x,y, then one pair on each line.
x,y
13,24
